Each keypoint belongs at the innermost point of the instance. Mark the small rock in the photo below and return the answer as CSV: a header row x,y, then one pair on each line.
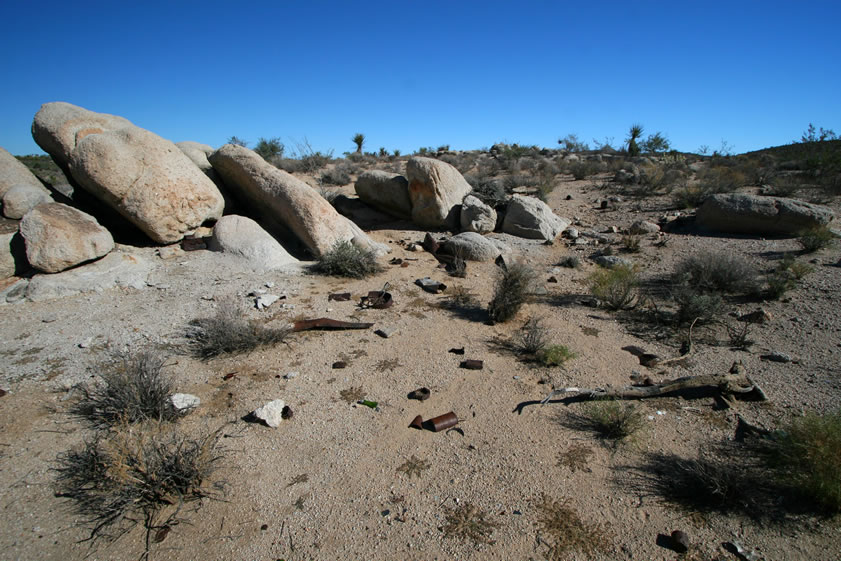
x,y
776,356
264,301
386,332
571,233
184,402
611,261
644,227
170,251
680,541
290,375
271,413
86,343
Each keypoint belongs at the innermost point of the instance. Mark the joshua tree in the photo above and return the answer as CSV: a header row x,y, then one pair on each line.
x,y
359,140
633,135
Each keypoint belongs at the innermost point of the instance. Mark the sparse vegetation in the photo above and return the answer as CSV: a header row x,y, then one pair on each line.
x,y
338,175
512,288
347,260
555,355
566,532
269,148
695,304
815,239
631,243
576,457
717,271
612,420
570,261
797,268
131,388
634,134
359,140
229,332
532,337
468,522
413,467
352,395
616,288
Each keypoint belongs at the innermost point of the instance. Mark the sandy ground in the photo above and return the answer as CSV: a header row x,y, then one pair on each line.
x,y
326,484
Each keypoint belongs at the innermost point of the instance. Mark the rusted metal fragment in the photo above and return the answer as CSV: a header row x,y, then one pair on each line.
x,y
420,394
338,297
442,422
457,351
472,364
327,323
377,299
417,423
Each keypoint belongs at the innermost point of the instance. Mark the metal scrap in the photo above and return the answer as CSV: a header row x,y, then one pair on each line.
x,y
329,324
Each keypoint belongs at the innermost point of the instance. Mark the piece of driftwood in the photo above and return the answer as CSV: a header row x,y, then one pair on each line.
x,y
736,384
327,323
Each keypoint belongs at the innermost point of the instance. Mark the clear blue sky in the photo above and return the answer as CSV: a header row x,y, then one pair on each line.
x,y
412,74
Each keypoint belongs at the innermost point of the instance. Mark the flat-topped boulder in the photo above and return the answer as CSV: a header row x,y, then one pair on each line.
x,y
739,213
58,237
436,190
117,269
144,177
282,199
471,246
527,217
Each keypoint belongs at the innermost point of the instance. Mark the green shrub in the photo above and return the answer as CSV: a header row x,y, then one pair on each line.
x,y
616,288
779,283
555,355
511,291
229,332
337,176
583,170
806,453
717,271
690,196
693,304
796,268
612,419
270,148
816,238
347,260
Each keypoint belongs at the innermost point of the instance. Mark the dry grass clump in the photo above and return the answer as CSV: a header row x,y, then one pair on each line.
x,y
616,288
229,332
347,260
532,337
716,271
129,475
611,420
631,243
566,532
130,388
570,261
468,522
511,291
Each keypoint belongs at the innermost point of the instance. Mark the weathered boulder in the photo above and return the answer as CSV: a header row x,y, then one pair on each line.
x,y
283,200
611,261
58,237
113,270
471,246
241,236
13,172
198,154
436,190
144,177
527,217
388,192
476,216
20,198
751,214
643,227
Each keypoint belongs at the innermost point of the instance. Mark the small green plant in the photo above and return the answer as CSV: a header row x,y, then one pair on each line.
x,y
631,243
612,420
570,261
616,288
532,337
238,141
695,304
512,289
796,268
816,238
344,259
126,476
131,388
555,355
269,148
806,453
468,522
567,532
229,332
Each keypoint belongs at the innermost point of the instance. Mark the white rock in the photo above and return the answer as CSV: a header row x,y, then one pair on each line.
x,y
271,413
183,402
265,300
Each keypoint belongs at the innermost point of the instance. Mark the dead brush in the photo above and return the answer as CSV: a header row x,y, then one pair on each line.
x,y
562,531
532,337
468,522
511,291
611,419
130,388
133,473
229,332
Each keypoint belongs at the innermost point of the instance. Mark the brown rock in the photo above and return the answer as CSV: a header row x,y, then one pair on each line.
x,y
436,189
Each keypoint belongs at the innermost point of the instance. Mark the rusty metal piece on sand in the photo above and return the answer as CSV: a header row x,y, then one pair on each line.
x,y
327,323
404,264
417,423
396,261
431,286
377,299
340,364
338,297
229,375
442,422
421,394
193,244
472,364
429,244
457,351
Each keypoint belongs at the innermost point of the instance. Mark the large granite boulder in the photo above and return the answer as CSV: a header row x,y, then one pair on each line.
x,y
281,199
527,217
476,216
471,246
13,172
58,237
116,269
142,176
436,190
388,192
751,214
20,198
243,237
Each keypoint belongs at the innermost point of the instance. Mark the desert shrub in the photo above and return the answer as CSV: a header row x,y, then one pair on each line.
x,y
806,454
555,355
458,267
616,288
611,419
721,179
797,268
532,337
126,476
584,169
328,195
634,134
690,196
130,388
816,238
337,176
511,291
468,522
571,143
716,271
784,186
566,531
344,259
694,304
459,297
229,332
489,190
779,283
570,261
631,243
739,334
269,148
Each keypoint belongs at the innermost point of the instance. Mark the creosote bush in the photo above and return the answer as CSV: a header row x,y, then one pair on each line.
x,y
130,388
717,271
613,420
230,332
347,260
511,291
125,476
816,238
616,288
